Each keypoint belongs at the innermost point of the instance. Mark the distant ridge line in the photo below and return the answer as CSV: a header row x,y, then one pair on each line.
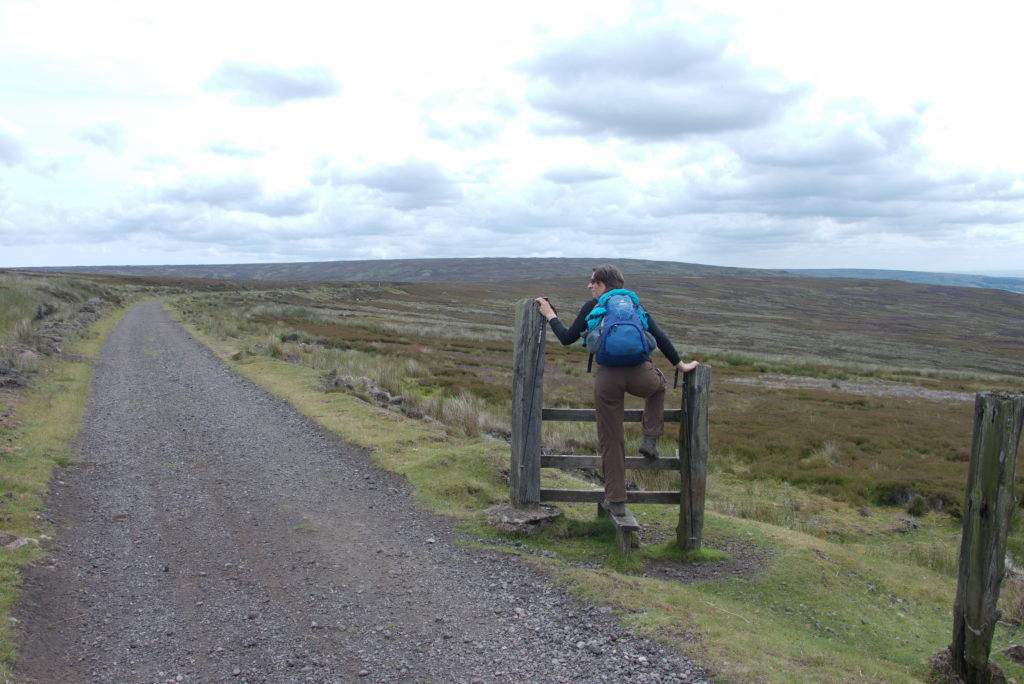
x,y
481,269
1007,283
497,269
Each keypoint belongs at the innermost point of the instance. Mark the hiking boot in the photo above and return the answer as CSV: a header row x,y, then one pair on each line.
x,y
649,447
616,508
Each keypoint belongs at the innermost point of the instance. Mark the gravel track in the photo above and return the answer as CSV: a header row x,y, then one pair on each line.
x,y
210,533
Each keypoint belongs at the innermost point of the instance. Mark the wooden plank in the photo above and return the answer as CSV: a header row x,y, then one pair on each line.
x,y
588,415
527,401
572,461
988,506
587,495
626,523
693,450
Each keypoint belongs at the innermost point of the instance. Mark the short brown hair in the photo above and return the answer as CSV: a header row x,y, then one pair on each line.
x,y
610,276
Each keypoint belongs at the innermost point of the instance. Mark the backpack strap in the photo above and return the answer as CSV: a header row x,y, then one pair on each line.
x,y
590,362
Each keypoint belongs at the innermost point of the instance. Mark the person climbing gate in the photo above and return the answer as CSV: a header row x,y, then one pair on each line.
x,y
620,334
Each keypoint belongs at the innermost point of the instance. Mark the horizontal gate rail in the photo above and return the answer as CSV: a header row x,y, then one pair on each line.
x,y
572,461
589,415
595,495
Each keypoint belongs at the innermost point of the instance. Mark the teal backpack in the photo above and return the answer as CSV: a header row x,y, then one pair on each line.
x,y
617,331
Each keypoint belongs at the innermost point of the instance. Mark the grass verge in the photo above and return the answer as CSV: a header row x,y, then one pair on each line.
x,y
38,426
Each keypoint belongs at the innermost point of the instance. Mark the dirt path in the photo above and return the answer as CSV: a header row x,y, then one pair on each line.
x,y
212,534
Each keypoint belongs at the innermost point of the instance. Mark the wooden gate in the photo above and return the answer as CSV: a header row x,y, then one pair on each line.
x,y
528,413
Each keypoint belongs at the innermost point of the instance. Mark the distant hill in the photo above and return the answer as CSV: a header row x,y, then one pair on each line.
x,y
497,269
477,270
923,277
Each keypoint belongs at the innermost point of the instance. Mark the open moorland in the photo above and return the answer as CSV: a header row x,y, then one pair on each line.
x,y
840,428
856,389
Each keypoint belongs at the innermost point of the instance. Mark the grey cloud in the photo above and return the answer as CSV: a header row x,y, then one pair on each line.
x,y
846,166
864,138
12,149
412,185
1002,186
228,149
212,226
241,193
355,220
53,167
646,52
223,192
651,83
109,135
462,135
145,218
292,204
261,85
578,174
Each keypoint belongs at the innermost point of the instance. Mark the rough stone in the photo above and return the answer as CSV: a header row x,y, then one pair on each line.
x,y
522,520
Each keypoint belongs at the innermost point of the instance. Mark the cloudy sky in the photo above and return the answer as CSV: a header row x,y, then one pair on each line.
x,y
799,134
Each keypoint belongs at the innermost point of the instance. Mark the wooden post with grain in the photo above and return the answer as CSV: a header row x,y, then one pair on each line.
x,y
693,454
527,402
988,504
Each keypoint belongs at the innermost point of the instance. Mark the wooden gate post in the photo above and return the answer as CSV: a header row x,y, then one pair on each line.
x,y
988,504
527,400
693,455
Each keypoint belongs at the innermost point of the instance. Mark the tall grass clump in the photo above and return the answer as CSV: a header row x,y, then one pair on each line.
x,y
28,303
388,372
1011,594
466,412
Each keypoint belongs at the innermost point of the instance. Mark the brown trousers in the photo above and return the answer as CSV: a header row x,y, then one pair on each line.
x,y
610,387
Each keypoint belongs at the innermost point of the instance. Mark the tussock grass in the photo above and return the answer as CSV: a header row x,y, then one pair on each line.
x,y
26,299
447,350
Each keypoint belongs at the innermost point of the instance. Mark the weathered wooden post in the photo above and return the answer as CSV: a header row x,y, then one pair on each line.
x,y
988,504
693,454
527,399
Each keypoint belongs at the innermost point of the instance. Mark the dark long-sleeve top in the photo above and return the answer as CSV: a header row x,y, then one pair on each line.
x,y
575,331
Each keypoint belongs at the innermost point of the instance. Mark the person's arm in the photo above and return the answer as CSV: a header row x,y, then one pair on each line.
x,y
666,347
565,335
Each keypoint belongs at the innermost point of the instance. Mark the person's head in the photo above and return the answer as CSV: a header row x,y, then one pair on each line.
x,y
606,277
